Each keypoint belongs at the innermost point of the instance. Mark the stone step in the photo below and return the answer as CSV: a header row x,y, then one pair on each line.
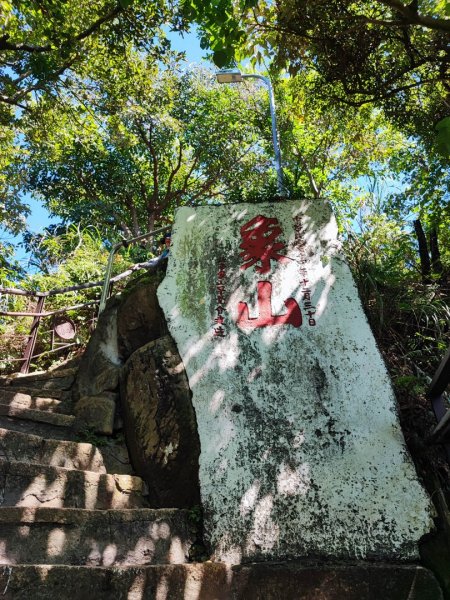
x,y
34,392
20,400
17,411
218,581
45,380
25,484
55,453
54,432
94,537
116,458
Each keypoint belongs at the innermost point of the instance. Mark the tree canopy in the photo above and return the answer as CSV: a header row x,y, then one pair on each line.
x,y
104,123
139,146
111,130
44,43
384,52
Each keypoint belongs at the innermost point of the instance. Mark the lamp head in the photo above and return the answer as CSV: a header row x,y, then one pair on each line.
x,y
228,76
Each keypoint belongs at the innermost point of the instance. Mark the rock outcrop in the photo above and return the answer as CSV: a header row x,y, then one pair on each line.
x,y
160,425
131,344
74,520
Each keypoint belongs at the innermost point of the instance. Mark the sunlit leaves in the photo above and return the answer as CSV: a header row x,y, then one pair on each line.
x,y
13,210
42,42
142,143
443,137
365,51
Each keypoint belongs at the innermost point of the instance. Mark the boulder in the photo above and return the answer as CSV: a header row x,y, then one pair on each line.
x,y
97,412
139,317
100,365
160,424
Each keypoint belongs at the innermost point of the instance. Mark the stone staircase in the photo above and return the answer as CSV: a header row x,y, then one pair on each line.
x,y
75,524
62,503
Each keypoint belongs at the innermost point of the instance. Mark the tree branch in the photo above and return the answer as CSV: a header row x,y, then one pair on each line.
x,y
13,102
24,47
98,23
133,214
5,45
312,181
185,186
412,17
173,173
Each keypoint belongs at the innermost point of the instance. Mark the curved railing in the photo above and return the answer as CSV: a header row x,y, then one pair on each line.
x,y
105,284
439,383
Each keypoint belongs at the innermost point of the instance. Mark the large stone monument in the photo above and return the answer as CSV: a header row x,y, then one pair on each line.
x,y
301,449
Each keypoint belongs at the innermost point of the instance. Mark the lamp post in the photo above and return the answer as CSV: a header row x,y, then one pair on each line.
x,y
235,76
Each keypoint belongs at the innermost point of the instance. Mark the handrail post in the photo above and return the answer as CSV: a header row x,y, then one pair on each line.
x,y
108,271
441,379
109,265
28,353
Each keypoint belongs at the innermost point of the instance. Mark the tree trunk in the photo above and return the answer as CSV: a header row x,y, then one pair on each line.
x,y
436,255
425,265
151,217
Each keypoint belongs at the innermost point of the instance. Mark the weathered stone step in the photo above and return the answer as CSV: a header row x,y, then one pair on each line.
x,y
218,581
26,484
116,458
56,453
61,380
54,432
34,392
94,537
18,399
32,414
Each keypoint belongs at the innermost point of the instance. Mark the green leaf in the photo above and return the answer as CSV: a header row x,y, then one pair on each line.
x,y
443,124
222,57
125,3
204,43
443,137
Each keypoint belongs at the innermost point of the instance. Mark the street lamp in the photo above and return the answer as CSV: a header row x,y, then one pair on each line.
x,y
235,76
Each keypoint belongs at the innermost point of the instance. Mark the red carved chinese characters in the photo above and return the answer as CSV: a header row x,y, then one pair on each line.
x,y
260,245
265,318
306,290
219,321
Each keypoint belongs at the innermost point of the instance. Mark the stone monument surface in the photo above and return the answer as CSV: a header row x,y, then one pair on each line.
x,y
301,449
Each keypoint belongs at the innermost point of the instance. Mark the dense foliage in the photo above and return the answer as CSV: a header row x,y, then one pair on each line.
x,y
108,127
141,144
384,52
43,44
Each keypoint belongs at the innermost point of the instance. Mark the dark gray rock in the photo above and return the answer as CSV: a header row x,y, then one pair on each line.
x,y
139,317
97,412
215,581
33,449
160,425
94,537
30,485
100,365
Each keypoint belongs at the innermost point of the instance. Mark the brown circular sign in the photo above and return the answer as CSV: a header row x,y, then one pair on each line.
x,y
65,329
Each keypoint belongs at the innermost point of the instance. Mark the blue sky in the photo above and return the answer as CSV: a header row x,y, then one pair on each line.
x,y
39,217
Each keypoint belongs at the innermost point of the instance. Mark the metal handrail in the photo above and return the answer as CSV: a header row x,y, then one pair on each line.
x,y
439,383
441,378
41,296
114,249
